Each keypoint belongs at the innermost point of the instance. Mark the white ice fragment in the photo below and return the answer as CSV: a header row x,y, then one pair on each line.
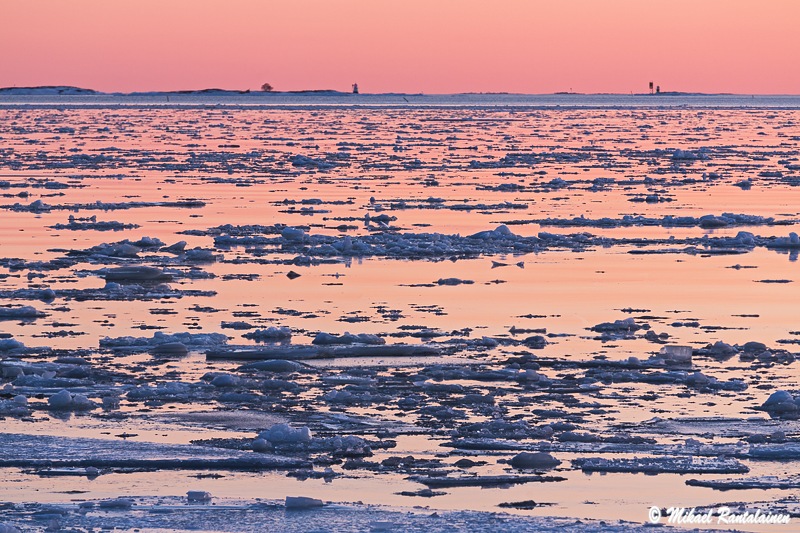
x,y
159,338
10,344
136,273
780,402
81,403
302,502
273,365
309,162
175,248
347,338
47,295
225,380
340,396
198,496
170,349
792,241
744,238
722,349
38,205
118,503
60,401
149,242
688,155
536,342
677,354
64,401
270,334
24,312
488,342
200,255
384,526
13,372
293,234
778,397
283,433
501,232
261,445
627,325
454,281
110,402
534,460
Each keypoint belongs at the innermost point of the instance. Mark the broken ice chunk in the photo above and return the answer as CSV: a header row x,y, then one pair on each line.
x,y
347,338
677,355
136,273
118,503
293,234
64,401
23,312
283,433
198,496
302,502
501,232
781,404
534,460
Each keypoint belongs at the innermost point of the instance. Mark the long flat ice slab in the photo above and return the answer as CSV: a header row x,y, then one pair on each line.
x,y
482,481
31,451
663,465
762,482
326,352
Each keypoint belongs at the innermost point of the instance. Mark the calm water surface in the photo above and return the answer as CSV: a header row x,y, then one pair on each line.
x,y
437,165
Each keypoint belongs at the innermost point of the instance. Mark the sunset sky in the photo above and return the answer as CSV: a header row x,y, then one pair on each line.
x,y
413,46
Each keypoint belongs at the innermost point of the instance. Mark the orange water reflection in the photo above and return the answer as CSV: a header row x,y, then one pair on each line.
x,y
239,162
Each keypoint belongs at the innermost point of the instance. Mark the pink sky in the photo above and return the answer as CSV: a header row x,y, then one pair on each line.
x,y
430,46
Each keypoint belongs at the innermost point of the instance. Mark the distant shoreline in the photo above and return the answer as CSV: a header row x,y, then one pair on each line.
x,y
56,90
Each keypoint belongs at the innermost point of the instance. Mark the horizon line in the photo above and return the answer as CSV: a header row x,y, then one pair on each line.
x,y
95,92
